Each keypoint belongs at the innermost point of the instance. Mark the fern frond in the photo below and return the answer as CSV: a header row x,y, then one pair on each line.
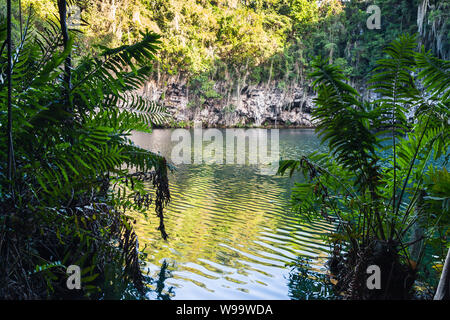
x,y
435,74
344,122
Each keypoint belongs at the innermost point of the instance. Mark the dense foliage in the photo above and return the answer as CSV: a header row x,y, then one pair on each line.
x,y
235,43
68,104
68,171
375,181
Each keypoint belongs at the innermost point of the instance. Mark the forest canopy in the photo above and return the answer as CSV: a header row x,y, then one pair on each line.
x,y
258,40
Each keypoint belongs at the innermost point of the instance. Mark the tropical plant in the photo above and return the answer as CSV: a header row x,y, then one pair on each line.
x,y
72,173
372,183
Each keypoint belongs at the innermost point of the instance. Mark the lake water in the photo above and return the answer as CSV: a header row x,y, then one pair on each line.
x,y
232,234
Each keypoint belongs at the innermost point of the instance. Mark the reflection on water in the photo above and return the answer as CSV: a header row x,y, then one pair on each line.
x,y
231,232
305,283
161,290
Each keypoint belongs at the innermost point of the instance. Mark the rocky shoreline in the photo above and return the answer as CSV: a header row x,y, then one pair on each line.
x,y
255,106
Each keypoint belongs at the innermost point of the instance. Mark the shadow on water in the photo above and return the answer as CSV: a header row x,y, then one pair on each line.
x,y
161,292
157,287
307,284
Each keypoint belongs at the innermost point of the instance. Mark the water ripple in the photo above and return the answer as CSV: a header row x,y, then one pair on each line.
x,y
231,231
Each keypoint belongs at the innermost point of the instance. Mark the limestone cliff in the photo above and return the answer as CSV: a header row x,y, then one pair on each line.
x,y
254,106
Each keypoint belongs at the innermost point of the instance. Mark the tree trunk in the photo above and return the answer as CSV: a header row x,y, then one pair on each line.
x,y
270,73
238,87
418,232
62,8
9,101
443,290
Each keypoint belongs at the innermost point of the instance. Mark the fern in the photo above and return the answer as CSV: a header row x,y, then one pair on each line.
x,y
370,182
73,153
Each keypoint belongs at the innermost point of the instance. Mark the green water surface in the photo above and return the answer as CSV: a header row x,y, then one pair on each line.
x,y
232,234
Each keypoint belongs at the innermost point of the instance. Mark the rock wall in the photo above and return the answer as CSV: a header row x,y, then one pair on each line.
x,y
255,106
